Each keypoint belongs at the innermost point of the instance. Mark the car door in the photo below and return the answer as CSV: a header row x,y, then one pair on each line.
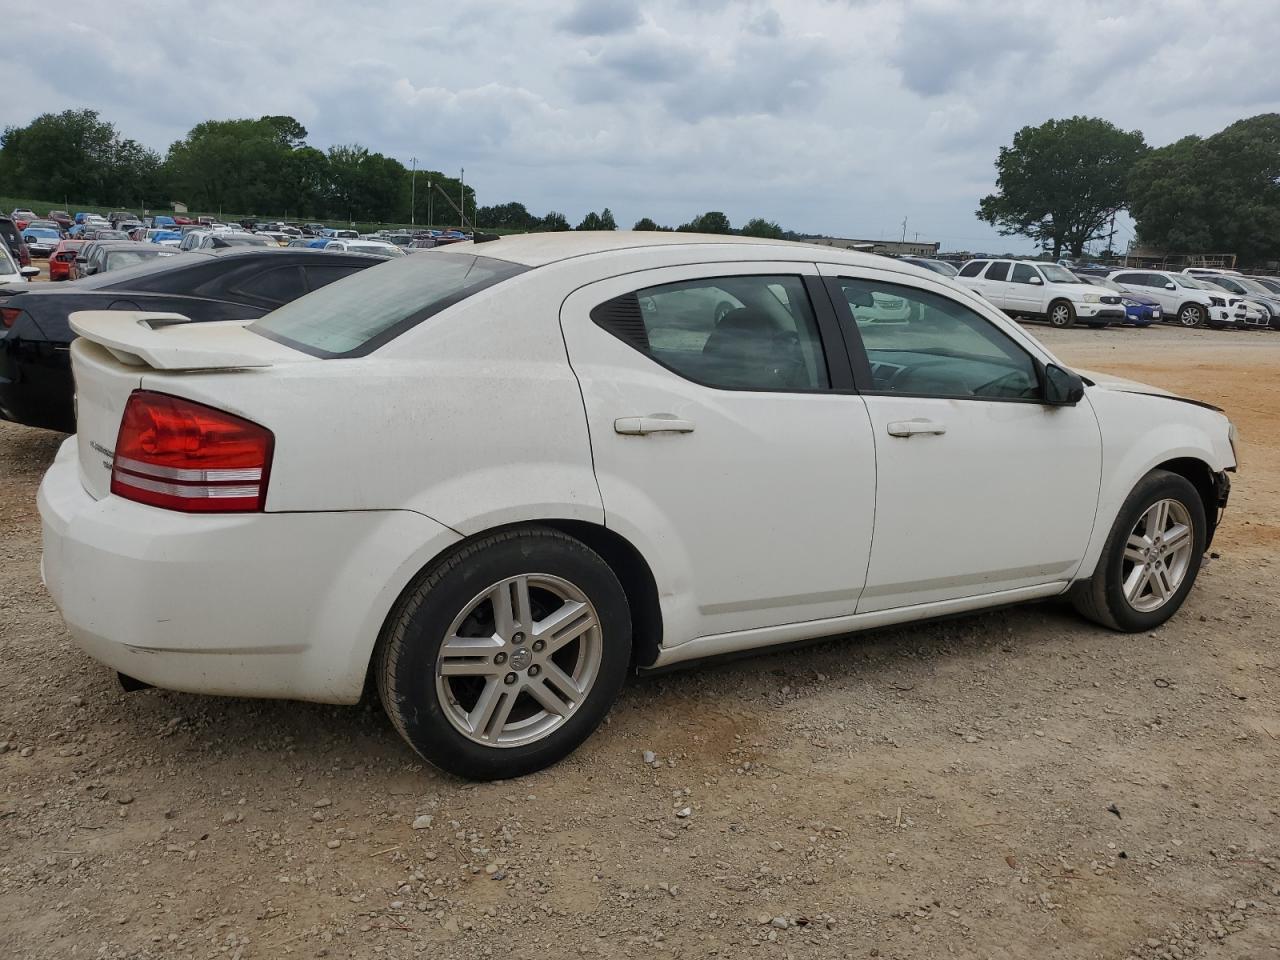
x,y
1026,288
982,490
728,440
995,284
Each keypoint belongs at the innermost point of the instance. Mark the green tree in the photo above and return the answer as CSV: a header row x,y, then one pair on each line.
x,y
554,221
66,155
591,221
645,223
606,220
713,221
1061,182
510,216
1219,194
759,227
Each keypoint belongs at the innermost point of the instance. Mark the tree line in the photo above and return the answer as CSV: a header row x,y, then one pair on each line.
x,y
1061,184
266,167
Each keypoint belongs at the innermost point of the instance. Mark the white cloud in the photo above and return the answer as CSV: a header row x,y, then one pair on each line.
x,y
841,117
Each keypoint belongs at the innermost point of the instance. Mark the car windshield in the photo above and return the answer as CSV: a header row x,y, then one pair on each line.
x,y
1056,274
354,316
1253,286
118,259
43,233
1269,284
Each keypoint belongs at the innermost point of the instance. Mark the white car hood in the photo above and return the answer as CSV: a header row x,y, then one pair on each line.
x,y
1121,385
1115,384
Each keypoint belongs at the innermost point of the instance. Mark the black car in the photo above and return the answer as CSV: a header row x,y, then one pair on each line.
x,y
238,284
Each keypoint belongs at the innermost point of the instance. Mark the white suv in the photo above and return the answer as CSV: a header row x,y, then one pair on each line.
x,y
1183,297
1042,291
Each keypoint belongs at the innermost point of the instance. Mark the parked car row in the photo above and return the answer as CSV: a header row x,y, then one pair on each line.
x,y
1098,297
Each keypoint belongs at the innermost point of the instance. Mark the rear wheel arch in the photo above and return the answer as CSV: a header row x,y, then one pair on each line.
x,y
622,557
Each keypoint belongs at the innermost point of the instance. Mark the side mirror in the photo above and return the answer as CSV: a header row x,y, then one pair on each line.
x,y
29,271
1036,280
1061,388
1171,285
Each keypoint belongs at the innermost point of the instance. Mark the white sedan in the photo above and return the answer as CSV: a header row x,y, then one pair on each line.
x,y
500,475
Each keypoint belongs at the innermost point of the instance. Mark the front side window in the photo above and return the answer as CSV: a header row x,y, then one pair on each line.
x,y
1023,272
940,348
972,268
736,333
998,270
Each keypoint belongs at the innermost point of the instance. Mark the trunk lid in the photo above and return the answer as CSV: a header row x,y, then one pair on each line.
x,y
115,349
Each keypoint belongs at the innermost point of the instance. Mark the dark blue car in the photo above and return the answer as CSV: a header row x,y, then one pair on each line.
x,y
1139,309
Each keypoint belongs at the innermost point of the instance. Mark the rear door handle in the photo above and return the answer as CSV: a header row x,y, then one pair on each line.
x,y
909,428
654,423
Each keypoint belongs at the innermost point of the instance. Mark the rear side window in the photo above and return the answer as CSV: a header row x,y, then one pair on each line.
x,y
735,333
322,274
998,270
364,311
972,268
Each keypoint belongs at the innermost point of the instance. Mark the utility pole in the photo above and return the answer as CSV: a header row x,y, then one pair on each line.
x,y
431,206
413,190
904,229
1112,235
462,196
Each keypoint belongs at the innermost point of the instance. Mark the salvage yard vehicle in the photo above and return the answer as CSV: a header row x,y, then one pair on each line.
x,y
1183,298
35,366
1139,309
493,478
62,259
1042,291
11,271
1254,293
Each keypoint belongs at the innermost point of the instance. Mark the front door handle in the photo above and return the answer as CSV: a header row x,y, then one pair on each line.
x,y
909,428
654,423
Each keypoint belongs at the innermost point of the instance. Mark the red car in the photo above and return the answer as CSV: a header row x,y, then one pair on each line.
x,y
63,259
182,221
21,218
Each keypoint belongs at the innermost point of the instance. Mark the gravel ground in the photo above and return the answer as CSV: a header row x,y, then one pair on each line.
x,y
1017,784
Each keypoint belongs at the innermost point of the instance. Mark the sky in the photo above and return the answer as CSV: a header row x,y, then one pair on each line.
x,y
838,117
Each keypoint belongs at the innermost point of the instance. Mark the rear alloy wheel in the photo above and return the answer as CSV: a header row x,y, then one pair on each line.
x,y
1151,558
1061,314
1191,315
506,655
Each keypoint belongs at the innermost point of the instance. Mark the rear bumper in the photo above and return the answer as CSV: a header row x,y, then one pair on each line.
x,y
284,605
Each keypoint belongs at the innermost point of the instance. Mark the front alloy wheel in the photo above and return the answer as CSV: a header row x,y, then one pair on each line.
x,y
1157,555
1061,314
1151,558
1191,315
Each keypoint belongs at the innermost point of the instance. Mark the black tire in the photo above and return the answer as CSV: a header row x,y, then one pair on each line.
x,y
1061,314
1101,598
1191,315
405,661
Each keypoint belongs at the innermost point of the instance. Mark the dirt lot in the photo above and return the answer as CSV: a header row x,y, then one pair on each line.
x,y
1019,784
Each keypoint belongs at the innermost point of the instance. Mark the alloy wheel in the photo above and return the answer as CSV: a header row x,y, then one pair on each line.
x,y
1191,316
519,660
1157,555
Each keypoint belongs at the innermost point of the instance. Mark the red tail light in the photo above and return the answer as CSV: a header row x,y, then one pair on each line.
x,y
9,315
182,455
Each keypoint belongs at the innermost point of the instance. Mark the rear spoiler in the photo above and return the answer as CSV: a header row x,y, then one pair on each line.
x,y
170,341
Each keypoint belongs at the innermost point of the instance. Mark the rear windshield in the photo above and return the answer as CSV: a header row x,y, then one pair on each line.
x,y
357,315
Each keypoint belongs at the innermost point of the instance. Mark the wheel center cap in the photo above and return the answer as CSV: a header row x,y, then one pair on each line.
x,y
520,658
